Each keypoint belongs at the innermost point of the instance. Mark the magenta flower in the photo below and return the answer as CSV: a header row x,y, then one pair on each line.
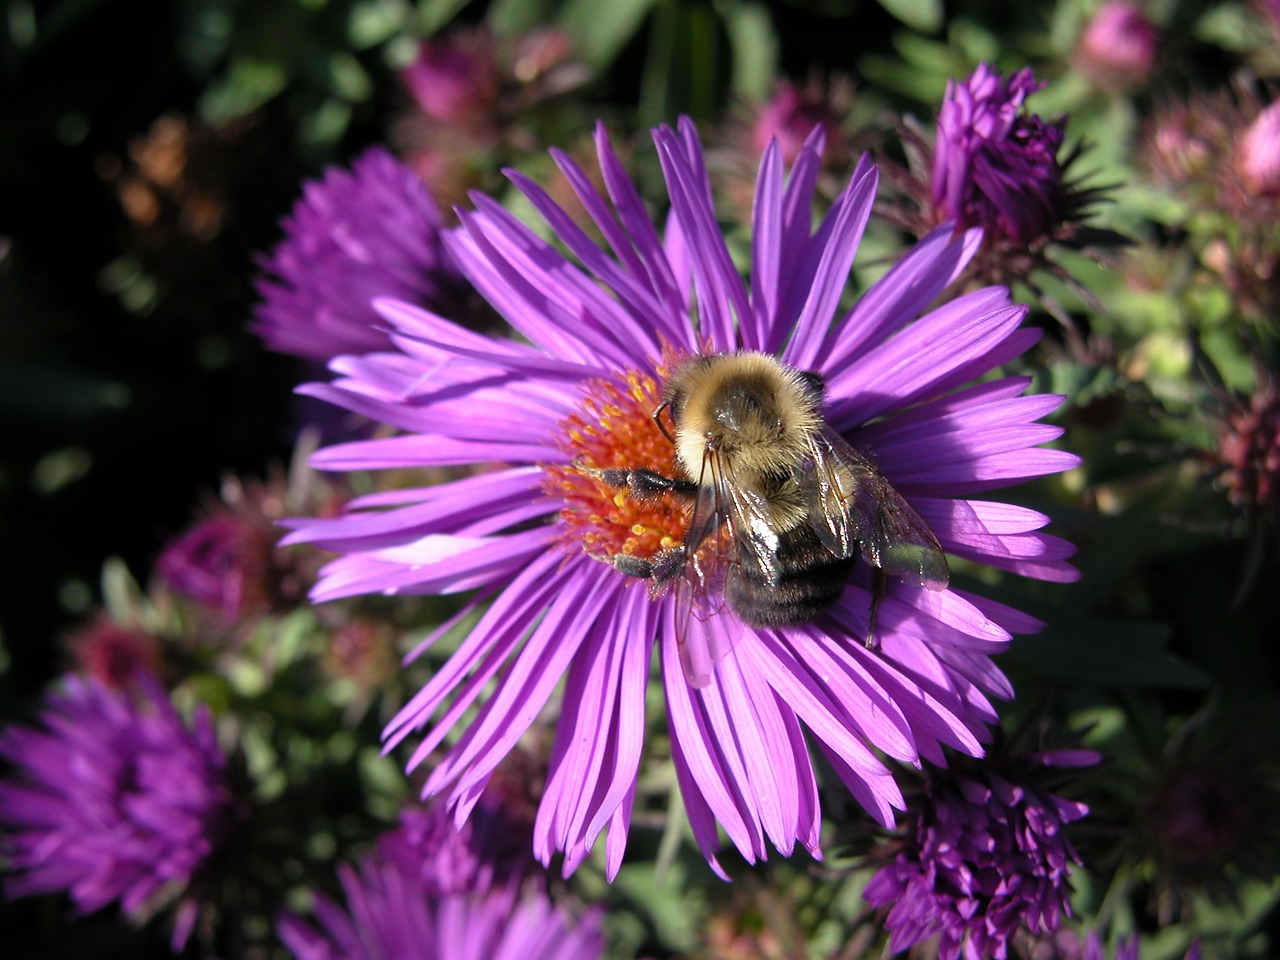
x,y
1117,48
528,533
994,165
115,799
355,235
1258,154
989,857
456,80
792,112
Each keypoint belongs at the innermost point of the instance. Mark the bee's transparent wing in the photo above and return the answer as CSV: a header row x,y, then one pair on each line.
x,y
753,529
851,502
706,628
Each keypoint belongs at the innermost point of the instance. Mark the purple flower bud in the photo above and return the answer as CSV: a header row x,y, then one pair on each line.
x,y
988,857
994,165
113,653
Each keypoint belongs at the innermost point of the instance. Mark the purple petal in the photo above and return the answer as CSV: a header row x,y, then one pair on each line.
x,y
847,218
901,294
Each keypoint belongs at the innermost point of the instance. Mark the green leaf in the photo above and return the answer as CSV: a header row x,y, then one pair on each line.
x,y
432,15
923,15
600,36
682,69
326,124
514,17
753,46
1125,653
348,79
1227,26
372,22
203,33
247,85
125,601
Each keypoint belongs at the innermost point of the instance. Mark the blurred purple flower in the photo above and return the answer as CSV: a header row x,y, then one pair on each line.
x,y
528,535
114,653
1068,944
989,857
994,165
1117,47
456,80
1258,154
391,915
444,857
115,798
355,235
228,561
479,98
1247,453
790,115
215,563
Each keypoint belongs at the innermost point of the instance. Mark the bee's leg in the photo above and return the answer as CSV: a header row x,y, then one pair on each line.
x,y
660,570
641,483
632,566
879,587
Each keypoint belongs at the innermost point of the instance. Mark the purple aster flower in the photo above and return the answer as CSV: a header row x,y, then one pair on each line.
x,y
115,799
988,857
355,235
994,165
529,533
389,915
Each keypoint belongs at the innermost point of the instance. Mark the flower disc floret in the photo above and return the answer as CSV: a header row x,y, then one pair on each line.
x,y
614,428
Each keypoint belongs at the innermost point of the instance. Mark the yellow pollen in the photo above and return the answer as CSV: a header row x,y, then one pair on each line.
x,y
613,428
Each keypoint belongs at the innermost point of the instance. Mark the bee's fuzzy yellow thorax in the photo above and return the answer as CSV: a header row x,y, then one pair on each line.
x,y
747,407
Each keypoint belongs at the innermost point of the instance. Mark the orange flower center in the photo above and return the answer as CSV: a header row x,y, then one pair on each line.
x,y
614,429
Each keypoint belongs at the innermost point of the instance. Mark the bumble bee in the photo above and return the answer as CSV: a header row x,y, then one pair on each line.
x,y
781,504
